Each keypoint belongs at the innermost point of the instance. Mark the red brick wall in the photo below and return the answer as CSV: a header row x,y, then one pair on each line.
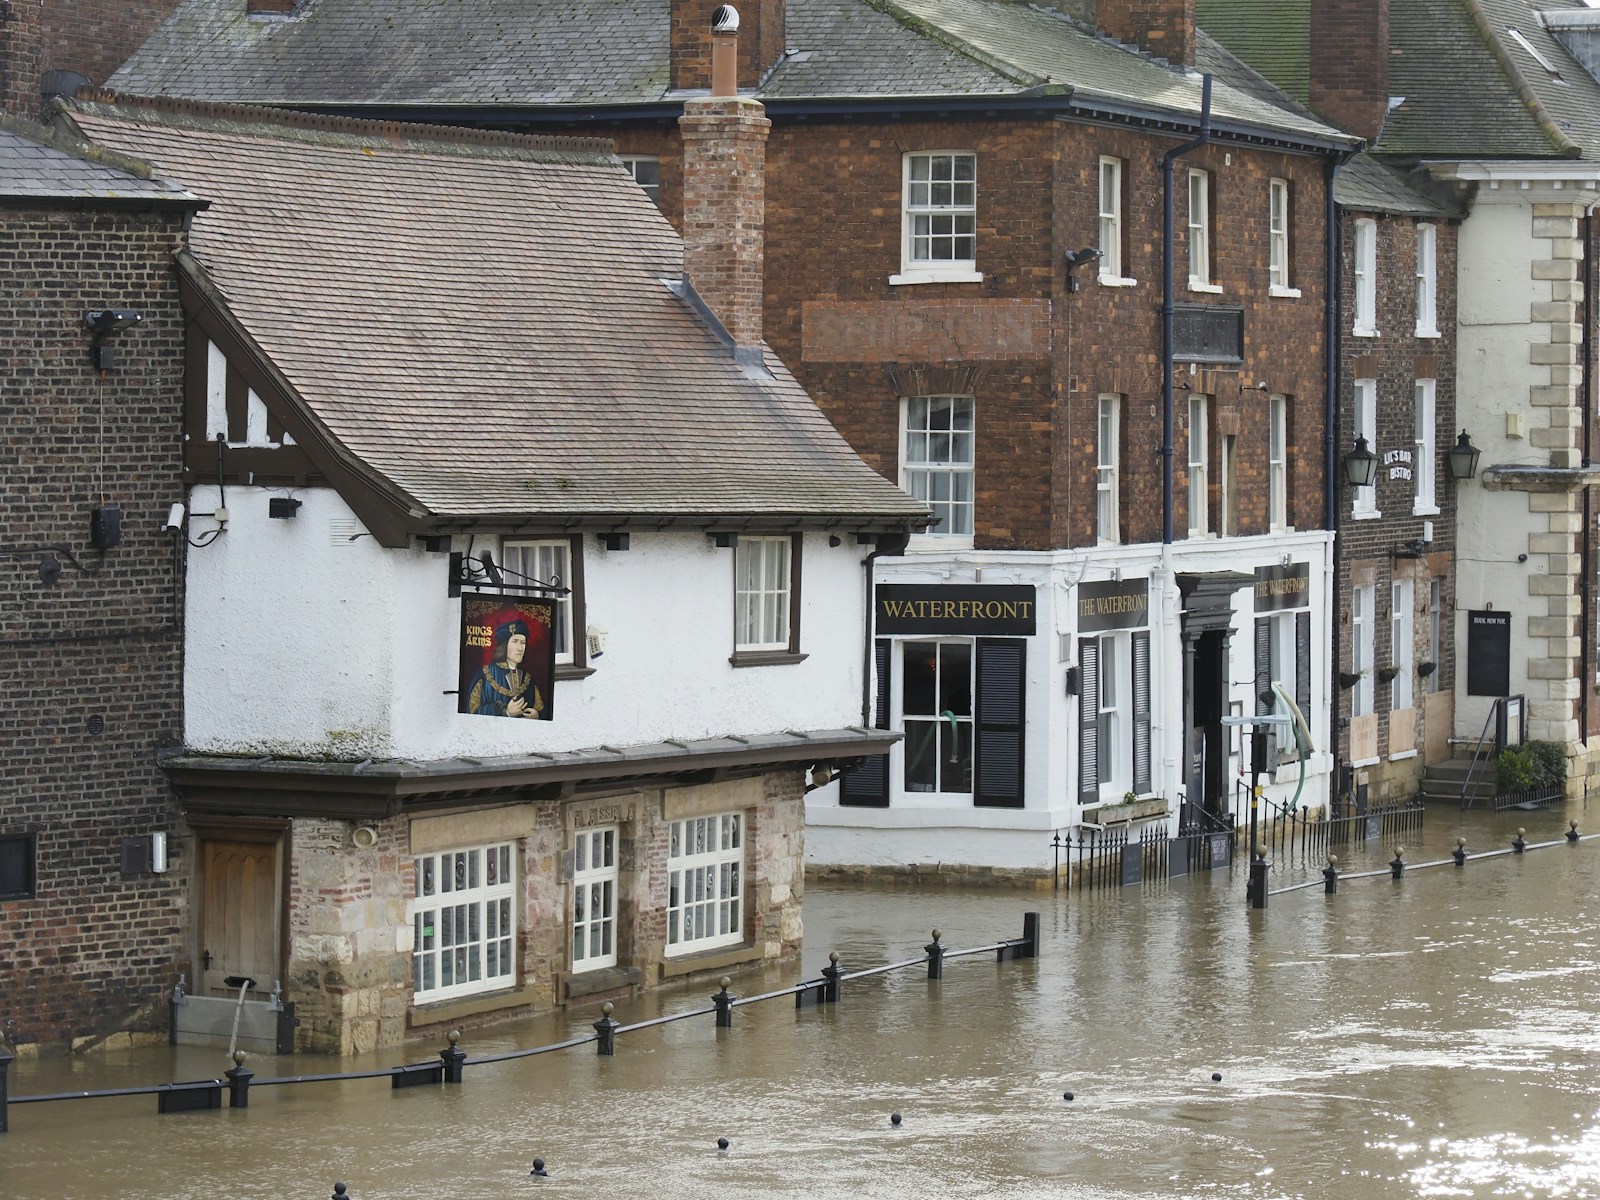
x,y
761,36
1163,27
1396,359
93,951
92,37
1349,74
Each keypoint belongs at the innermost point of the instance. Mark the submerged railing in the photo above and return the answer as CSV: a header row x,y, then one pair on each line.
x,y
237,1082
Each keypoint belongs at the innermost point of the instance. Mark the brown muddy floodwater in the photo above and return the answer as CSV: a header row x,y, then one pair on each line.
x,y
1439,1036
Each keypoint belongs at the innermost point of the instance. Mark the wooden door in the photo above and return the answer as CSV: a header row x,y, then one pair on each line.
x,y
240,907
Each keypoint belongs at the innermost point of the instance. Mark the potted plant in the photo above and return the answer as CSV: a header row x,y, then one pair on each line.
x,y
1387,674
1348,679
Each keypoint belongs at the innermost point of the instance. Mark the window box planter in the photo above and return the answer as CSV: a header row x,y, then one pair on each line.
x,y
1387,674
1116,814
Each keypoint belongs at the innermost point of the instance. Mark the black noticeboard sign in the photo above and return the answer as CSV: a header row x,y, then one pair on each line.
x,y
1283,587
1488,653
977,610
1114,604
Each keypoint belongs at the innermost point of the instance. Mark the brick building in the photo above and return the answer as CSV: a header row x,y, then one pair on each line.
x,y
965,265
1490,109
52,48
91,590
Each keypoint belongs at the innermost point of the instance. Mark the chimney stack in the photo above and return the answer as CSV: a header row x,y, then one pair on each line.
x,y
724,192
1349,78
761,41
1164,28
255,7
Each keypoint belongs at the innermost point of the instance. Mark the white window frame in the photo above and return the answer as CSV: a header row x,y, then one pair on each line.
x,y
1427,281
1200,266
1108,455
1283,668
1113,271
1364,420
1401,650
651,188
1278,463
946,721
1365,257
1425,501
548,560
596,879
1114,737
1199,465
1363,603
481,892
763,572
947,481
923,199
705,883
1280,214
1435,634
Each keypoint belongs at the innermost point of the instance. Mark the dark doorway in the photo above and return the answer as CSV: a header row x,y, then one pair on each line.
x,y
1206,628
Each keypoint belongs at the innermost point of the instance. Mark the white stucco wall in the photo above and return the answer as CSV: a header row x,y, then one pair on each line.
x,y
302,642
926,830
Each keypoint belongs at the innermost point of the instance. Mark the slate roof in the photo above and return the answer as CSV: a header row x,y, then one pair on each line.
x,y
1366,184
483,320
38,165
1273,36
512,53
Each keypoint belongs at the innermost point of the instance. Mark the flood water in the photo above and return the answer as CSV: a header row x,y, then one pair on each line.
x,y
1439,1036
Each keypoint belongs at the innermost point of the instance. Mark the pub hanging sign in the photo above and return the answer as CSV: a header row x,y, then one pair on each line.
x,y
980,610
1283,587
508,656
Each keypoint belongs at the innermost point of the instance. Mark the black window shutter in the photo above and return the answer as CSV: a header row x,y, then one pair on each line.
x,y
868,785
1141,711
1265,700
1302,663
1089,721
998,722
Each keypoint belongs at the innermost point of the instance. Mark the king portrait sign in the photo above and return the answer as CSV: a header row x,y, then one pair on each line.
x,y
508,656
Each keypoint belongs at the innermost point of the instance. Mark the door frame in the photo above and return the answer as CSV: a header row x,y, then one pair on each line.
x,y
263,830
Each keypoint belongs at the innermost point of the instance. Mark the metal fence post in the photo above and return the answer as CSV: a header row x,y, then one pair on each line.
x,y
607,1029
724,1002
1460,852
6,1059
832,973
1397,865
453,1057
1519,845
1030,935
1572,831
935,953
1256,885
239,1081
340,1192
1330,876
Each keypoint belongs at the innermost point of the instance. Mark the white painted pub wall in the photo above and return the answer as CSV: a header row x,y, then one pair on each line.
x,y
304,643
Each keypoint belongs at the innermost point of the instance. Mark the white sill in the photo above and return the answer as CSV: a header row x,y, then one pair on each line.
x,y
1428,333
926,542
1117,281
1195,285
1196,535
1365,514
1404,754
1425,510
936,275
1367,762
1283,293
1358,331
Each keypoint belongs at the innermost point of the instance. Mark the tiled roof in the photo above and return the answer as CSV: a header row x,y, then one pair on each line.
x,y
548,52
1471,90
483,320
1367,185
37,164
1273,36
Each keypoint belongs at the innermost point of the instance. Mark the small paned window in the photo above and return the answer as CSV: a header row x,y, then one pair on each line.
x,y
1199,469
1427,281
1280,223
938,460
1111,264
705,883
550,561
1400,622
1363,601
1108,455
646,172
1364,500
464,923
1278,463
1426,502
1366,281
940,217
763,570
1200,231
594,899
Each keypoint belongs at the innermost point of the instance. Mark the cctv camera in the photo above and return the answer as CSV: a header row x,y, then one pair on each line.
x,y
725,19
111,320
174,518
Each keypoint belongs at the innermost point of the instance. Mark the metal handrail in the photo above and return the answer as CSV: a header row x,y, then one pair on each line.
x,y
1477,753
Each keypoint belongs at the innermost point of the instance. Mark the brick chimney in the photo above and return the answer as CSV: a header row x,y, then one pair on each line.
x,y
1164,28
761,41
1349,80
724,196
90,37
